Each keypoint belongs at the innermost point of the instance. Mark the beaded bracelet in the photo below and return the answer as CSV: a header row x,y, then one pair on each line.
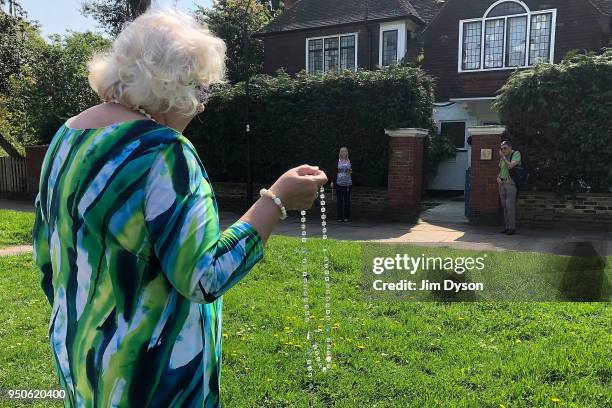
x,y
267,193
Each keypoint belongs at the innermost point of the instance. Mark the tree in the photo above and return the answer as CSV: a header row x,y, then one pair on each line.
x,y
235,21
16,34
38,102
113,14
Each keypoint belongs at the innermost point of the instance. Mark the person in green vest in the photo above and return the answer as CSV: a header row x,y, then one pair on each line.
x,y
508,159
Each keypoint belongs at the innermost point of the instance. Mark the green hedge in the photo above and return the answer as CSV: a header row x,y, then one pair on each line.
x,y
307,119
560,119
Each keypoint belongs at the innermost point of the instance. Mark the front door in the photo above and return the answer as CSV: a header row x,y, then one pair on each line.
x,y
451,173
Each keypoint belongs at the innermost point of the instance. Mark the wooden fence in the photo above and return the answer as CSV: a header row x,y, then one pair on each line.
x,y
13,177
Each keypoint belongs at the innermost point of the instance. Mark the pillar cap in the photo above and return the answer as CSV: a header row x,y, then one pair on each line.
x,y
486,130
407,132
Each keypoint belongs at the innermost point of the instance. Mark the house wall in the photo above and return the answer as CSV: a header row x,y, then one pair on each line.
x,y
578,26
288,50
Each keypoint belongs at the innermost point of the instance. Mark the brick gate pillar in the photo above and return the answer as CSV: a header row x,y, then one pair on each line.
x,y
34,161
485,207
405,179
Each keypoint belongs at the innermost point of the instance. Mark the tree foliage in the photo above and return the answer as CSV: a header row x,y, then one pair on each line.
x,y
559,116
113,14
235,21
19,38
52,87
306,119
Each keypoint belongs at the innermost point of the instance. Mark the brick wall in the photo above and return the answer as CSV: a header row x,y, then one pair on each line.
x,y
405,178
34,160
365,201
585,210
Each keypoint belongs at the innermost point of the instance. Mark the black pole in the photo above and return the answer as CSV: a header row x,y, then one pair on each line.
x,y
247,92
369,32
248,138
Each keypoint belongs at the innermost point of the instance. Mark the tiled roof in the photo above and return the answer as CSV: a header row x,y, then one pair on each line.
x,y
605,6
320,13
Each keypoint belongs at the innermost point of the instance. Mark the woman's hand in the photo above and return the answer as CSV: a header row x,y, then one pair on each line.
x,y
297,188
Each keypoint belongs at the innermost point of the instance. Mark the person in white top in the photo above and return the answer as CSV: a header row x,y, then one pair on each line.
x,y
342,178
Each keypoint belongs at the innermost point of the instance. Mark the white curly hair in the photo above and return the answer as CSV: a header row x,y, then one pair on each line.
x,y
157,62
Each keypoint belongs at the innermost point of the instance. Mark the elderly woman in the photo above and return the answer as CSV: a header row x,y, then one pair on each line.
x,y
127,232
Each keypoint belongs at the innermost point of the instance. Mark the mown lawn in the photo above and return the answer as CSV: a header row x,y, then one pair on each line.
x,y
386,354
15,227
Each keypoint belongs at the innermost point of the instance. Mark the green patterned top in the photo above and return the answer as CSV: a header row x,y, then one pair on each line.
x,y
134,264
504,173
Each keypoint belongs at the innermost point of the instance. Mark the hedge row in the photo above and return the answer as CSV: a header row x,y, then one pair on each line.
x,y
306,119
560,118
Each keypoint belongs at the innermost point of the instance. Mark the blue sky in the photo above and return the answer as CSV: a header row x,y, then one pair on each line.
x,y
57,16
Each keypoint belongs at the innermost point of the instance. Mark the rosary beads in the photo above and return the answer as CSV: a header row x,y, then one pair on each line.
x,y
313,346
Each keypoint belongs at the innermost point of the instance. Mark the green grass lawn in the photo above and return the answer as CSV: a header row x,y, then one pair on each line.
x,y
15,227
385,354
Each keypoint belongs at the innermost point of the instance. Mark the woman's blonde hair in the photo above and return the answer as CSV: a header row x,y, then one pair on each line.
x,y
343,148
156,62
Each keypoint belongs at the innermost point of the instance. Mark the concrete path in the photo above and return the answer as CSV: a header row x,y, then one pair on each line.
x,y
15,250
446,226
17,205
443,225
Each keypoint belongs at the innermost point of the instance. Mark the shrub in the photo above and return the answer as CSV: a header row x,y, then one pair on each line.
x,y
307,119
559,117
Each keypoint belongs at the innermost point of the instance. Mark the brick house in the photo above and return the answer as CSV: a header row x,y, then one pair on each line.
x,y
470,47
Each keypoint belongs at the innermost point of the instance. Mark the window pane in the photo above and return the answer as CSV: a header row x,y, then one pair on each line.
x,y
315,56
455,131
494,44
347,52
539,40
331,53
516,38
506,9
389,47
472,34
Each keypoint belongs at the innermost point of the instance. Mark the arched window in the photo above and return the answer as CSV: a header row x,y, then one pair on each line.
x,y
507,8
509,35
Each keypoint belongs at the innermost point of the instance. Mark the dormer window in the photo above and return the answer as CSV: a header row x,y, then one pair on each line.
x,y
392,43
509,35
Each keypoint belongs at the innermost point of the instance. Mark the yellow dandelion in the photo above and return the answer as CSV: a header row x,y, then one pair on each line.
x,y
461,318
556,400
502,406
225,335
360,346
518,341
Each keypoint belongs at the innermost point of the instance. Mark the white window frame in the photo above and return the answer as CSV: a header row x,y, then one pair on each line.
x,y
483,19
400,26
339,42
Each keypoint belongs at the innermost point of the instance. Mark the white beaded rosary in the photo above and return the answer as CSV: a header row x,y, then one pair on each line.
x,y
313,346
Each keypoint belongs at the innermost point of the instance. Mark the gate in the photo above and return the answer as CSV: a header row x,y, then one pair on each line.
x,y
468,189
13,177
